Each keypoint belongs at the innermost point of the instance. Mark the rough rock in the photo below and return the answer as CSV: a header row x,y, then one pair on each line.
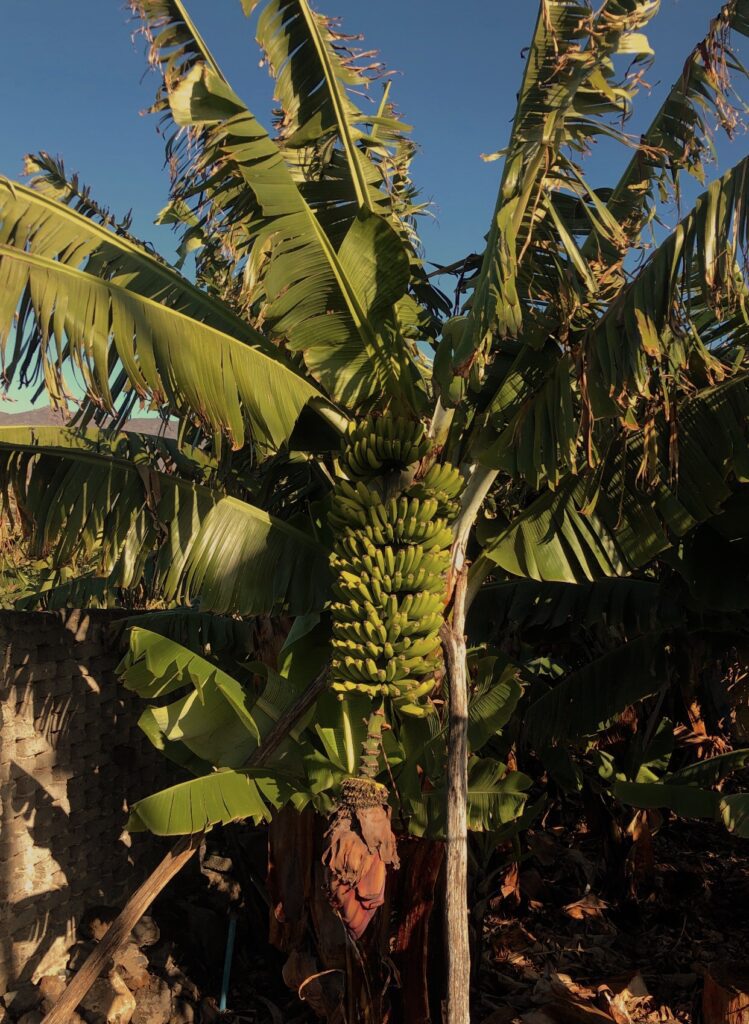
x,y
162,962
184,1012
216,863
51,987
95,922
132,964
32,1017
146,932
180,984
109,1001
153,1004
160,955
79,953
23,999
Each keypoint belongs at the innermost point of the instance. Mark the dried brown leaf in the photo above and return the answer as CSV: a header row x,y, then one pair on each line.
x,y
588,906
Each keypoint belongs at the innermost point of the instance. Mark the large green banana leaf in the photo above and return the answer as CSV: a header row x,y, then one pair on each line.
x,y
532,423
331,305
611,524
589,698
92,300
711,771
87,495
331,299
690,296
679,139
497,691
496,797
314,78
562,102
713,560
340,154
219,718
689,802
219,798
636,604
734,810
200,631
212,730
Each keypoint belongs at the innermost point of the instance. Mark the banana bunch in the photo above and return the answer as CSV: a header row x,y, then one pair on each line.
x,y
390,559
382,444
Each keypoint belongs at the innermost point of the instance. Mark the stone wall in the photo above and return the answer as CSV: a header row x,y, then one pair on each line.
x,y
71,757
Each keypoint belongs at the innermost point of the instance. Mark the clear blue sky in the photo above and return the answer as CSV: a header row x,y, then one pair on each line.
x,y
72,82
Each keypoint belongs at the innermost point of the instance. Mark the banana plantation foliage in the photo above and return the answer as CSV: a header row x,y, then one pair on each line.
x,y
553,460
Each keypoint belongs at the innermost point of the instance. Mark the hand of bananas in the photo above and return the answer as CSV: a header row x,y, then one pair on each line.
x,y
390,558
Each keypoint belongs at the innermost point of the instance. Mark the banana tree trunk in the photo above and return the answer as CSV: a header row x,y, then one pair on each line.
x,y
456,897
416,946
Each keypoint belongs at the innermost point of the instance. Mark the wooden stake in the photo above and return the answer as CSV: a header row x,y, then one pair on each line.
x,y
119,931
456,900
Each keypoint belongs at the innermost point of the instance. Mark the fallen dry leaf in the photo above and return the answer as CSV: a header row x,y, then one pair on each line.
x,y
558,985
588,906
510,888
532,886
624,998
567,1011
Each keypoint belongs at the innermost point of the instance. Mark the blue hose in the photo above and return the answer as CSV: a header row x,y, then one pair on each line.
x,y
228,957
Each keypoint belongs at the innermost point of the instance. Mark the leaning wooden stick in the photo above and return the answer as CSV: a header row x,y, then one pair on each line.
x,y
119,931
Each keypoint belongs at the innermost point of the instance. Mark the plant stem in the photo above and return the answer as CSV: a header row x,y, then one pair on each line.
x,y
283,726
442,419
370,755
330,414
479,484
456,901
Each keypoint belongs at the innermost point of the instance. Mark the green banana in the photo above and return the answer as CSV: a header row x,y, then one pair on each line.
x,y
390,560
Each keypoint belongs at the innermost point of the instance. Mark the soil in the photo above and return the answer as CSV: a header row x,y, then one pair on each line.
x,y
575,929
615,926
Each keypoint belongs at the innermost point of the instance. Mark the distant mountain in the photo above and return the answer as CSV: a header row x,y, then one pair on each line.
x,y
49,418
32,418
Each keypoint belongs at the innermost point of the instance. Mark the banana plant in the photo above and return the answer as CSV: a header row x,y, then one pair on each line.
x,y
410,498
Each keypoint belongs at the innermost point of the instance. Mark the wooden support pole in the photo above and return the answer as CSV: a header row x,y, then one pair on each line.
x,y
456,898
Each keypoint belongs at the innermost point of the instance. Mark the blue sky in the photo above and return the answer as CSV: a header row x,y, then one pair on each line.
x,y
72,82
